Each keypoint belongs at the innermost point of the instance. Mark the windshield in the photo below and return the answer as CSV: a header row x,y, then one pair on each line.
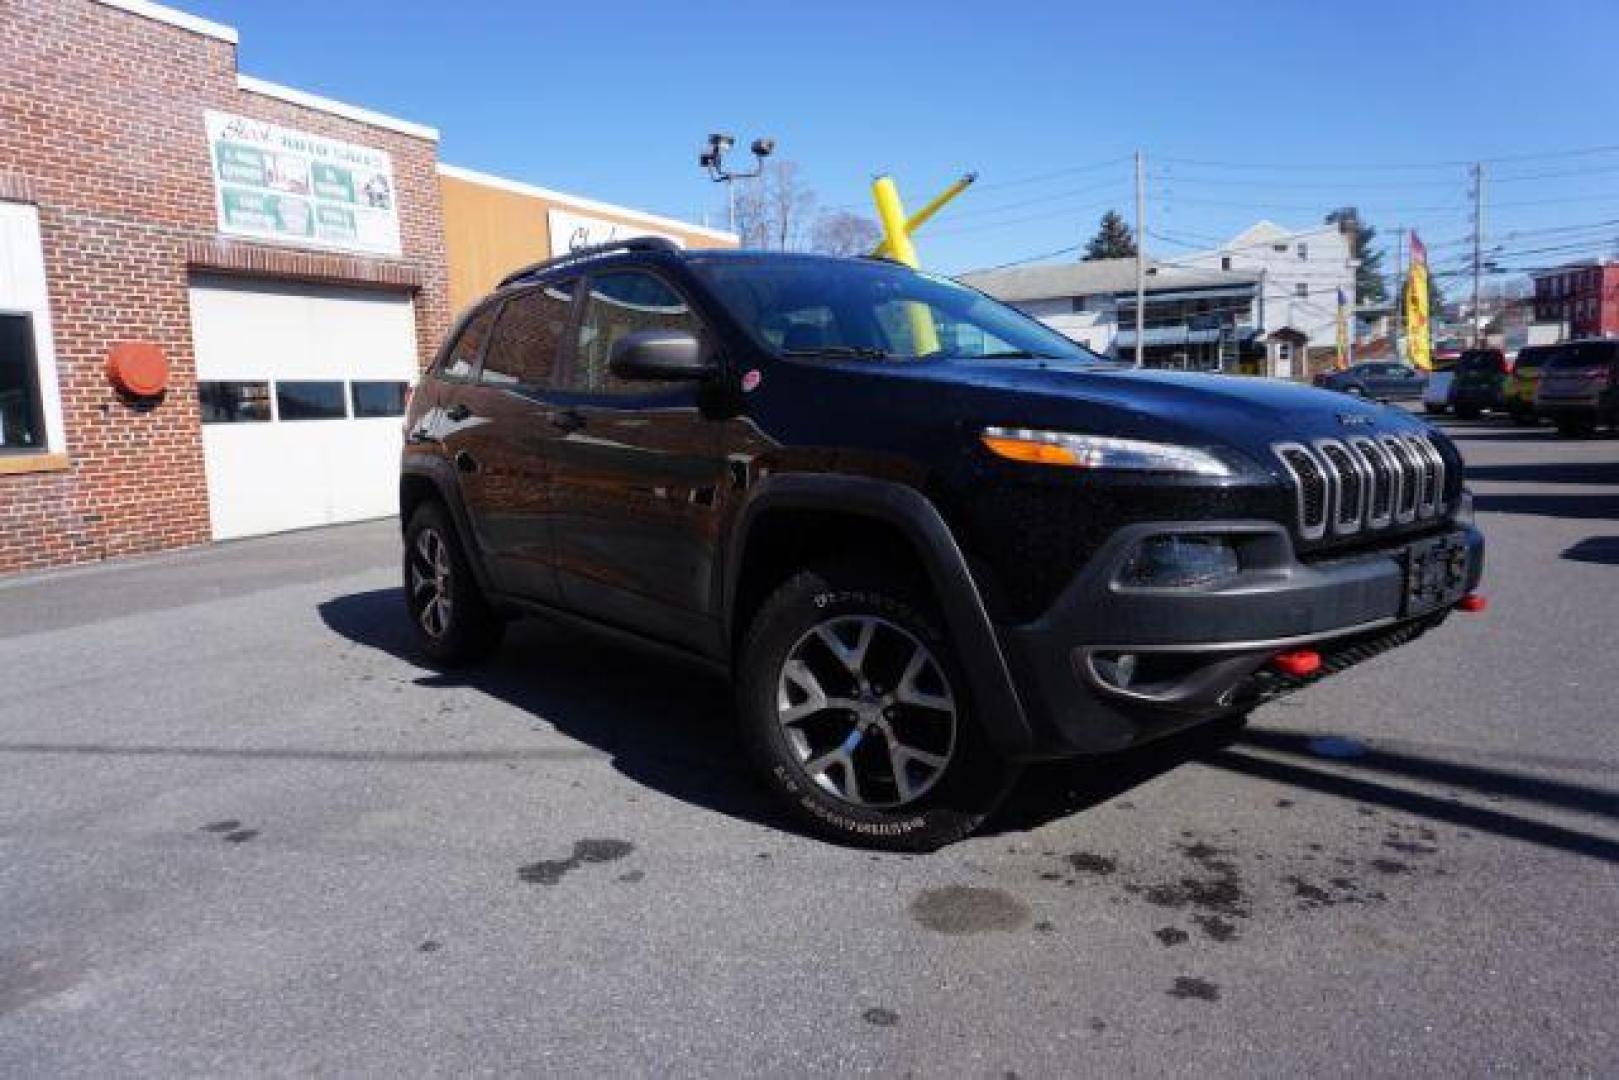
x,y
1479,363
873,310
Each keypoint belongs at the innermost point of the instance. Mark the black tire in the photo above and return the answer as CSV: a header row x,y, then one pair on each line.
x,y
958,795
1523,417
1469,412
1575,429
463,629
1434,410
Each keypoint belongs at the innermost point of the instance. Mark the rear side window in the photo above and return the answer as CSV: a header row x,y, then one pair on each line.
x,y
528,336
1585,355
618,304
462,360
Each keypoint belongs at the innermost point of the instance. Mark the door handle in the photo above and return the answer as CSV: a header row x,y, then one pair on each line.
x,y
567,420
457,412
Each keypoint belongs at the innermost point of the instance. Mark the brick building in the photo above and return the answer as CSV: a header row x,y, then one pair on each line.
x,y
1584,297
214,290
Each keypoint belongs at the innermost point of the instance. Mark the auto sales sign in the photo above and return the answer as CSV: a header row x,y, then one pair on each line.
x,y
274,183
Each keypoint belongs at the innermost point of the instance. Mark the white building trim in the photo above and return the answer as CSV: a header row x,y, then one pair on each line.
x,y
517,187
185,21
253,85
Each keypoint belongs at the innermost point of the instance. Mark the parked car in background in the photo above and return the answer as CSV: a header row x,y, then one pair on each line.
x,y
1480,377
1579,387
1378,379
1518,393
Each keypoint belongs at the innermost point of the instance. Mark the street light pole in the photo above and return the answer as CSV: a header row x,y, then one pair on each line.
x,y
1141,260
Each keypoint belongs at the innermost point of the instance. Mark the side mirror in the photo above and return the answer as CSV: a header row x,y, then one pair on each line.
x,y
659,355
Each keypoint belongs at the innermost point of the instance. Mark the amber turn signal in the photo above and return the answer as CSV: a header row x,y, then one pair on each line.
x,y
1028,450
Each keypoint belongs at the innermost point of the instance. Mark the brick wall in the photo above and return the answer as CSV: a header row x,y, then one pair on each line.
x,y
101,126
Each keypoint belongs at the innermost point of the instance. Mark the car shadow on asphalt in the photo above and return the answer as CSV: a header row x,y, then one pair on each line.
x,y
1603,550
1553,472
667,724
1596,507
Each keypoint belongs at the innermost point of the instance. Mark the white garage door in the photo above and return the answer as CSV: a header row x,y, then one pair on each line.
x,y
302,390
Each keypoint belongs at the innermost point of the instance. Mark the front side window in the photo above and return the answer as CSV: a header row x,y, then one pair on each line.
x,y
22,420
529,336
618,304
808,306
309,400
463,357
233,401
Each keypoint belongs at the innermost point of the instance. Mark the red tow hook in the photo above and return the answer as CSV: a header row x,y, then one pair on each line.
x,y
1473,603
1299,663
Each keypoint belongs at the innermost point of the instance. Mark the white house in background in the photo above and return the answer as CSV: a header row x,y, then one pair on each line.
x,y
1300,273
1194,319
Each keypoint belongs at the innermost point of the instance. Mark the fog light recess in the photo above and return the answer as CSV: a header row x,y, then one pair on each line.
x,y
1180,561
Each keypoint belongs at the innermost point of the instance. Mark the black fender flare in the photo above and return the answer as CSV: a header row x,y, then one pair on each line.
x,y
441,474
920,522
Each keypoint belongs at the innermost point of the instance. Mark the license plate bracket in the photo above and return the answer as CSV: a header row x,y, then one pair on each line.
x,y
1435,573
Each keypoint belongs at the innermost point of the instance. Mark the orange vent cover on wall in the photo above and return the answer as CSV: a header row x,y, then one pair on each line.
x,y
138,368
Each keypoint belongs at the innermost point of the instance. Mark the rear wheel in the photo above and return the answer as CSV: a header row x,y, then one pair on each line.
x,y
1468,412
857,717
1575,429
1433,410
453,621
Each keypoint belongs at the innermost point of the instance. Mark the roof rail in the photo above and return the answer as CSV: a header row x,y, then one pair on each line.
x,y
634,243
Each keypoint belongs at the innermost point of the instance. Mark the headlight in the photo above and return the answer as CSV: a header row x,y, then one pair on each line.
x,y
1099,452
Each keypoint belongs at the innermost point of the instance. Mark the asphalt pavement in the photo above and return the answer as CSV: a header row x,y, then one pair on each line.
x,y
242,831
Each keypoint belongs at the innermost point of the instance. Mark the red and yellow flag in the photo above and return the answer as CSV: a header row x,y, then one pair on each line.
x,y
1418,339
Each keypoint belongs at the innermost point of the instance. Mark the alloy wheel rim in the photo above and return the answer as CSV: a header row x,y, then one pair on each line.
x,y
430,583
868,711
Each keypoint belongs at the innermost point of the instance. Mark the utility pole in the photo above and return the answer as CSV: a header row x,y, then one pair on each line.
x,y
1141,257
1478,249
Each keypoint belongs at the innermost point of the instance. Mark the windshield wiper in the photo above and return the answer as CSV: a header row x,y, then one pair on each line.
x,y
858,352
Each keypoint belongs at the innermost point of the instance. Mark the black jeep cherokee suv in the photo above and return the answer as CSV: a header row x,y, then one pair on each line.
x,y
929,538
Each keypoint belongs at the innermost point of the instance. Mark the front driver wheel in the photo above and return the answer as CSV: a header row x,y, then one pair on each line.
x,y
855,713
453,621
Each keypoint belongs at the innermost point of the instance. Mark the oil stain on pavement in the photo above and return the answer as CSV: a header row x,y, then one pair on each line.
x,y
962,909
551,871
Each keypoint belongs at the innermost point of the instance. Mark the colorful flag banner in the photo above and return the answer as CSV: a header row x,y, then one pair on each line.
x,y
1418,339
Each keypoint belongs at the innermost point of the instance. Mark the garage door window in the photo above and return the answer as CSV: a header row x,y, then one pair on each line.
x,y
378,398
22,420
230,402
309,400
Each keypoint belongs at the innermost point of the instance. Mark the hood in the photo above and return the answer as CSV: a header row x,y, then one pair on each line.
x,y
1251,414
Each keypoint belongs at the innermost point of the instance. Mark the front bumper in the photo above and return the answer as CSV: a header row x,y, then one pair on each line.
x,y
1196,654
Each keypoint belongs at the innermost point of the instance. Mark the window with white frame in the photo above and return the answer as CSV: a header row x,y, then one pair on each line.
x,y
1304,251
30,402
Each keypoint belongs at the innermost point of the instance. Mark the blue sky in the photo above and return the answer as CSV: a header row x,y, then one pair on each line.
x,y
1289,108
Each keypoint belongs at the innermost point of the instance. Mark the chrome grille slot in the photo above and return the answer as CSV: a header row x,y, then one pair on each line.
x,y
1348,487
1380,504
1430,468
1409,477
1310,485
